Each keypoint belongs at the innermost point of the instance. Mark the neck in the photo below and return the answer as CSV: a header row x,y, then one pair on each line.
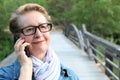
x,y
39,55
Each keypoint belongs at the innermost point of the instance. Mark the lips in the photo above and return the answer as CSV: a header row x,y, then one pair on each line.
x,y
38,42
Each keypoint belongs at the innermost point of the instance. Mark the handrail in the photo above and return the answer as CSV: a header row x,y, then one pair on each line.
x,y
73,34
103,42
98,49
110,51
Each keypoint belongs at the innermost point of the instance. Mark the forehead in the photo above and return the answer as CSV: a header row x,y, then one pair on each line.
x,y
32,18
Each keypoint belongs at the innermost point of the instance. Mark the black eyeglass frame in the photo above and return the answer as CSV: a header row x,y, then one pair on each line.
x,y
22,30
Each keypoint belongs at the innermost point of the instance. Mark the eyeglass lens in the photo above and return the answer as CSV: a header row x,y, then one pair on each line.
x,y
45,27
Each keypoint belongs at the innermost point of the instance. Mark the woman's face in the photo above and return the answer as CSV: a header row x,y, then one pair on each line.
x,y
38,41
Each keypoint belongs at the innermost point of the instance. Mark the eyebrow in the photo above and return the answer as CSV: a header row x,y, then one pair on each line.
x,y
34,25
30,26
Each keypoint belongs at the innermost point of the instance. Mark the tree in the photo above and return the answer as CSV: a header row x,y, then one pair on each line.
x,y
102,17
7,7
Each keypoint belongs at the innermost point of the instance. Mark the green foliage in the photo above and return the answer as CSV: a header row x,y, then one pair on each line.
x,y
116,71
6,44
102,17
7,7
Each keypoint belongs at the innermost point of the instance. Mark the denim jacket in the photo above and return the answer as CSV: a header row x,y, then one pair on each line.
x,y
12,72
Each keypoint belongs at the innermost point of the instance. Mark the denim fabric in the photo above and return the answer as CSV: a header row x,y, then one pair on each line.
x,y
12,72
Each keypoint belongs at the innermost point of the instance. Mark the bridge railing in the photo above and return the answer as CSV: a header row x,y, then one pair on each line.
x,y
74,34
102,51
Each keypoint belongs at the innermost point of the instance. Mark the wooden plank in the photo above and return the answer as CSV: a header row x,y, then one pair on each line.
x,y
75,58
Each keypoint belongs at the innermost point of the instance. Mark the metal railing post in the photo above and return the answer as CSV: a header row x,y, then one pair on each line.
x,y
88,48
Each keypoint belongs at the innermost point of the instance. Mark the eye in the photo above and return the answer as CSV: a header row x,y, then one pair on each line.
x,y
44,26
29,29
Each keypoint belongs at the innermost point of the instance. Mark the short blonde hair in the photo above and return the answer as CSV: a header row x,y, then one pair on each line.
x,y
14,20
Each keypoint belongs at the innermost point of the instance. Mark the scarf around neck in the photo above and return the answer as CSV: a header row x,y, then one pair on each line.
x,y
47,69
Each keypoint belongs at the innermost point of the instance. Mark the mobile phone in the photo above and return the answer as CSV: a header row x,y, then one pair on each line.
x,y
16,37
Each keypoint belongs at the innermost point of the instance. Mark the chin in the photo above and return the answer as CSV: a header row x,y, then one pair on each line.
x,y
42,48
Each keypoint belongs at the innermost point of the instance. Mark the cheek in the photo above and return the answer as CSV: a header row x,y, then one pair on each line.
x,y
27,39
47,37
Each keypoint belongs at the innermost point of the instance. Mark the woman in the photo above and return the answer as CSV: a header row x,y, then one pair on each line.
x,y
32,25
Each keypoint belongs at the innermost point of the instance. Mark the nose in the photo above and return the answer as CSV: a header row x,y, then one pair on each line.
x,y
38,32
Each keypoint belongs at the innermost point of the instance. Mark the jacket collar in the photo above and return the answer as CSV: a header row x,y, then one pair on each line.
x,y
17,66
64,71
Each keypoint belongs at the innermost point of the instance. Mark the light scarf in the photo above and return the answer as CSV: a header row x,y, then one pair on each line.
x,y
48,69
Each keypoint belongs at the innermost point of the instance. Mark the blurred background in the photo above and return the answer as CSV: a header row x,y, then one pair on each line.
x,y
102,18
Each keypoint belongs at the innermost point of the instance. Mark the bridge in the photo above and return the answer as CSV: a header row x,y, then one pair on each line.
x,y
91,57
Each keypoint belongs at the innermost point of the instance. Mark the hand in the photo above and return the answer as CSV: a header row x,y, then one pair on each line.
x,y
19,50
26,62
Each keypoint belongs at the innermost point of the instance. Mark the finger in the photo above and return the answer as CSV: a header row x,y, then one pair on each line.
x,y
22,47
18,40
18,44
21,50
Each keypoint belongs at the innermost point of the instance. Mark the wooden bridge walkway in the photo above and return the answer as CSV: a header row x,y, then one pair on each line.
x,y
71,56
76,59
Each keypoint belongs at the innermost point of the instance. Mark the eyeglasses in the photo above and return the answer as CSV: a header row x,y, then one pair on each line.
x,y
30,30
